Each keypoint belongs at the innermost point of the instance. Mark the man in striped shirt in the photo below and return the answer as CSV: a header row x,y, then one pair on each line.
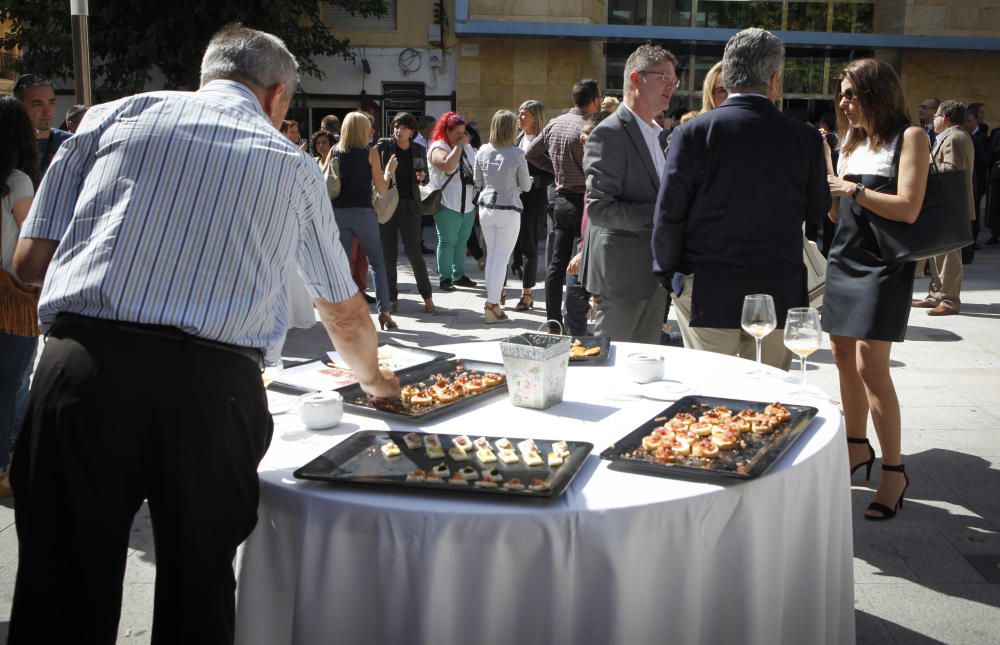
x,y
165,231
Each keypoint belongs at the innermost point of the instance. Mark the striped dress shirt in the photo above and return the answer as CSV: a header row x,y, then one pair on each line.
x,y
186,209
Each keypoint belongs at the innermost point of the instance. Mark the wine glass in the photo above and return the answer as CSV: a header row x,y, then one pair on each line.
x,y
758,320
803,336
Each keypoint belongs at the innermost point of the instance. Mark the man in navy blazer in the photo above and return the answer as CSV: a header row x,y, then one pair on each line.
x,y
739,183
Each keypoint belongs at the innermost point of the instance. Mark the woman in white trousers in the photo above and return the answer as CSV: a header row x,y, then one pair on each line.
x,y
501,173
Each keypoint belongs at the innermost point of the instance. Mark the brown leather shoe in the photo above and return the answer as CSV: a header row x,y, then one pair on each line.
x,y
926,303
942,310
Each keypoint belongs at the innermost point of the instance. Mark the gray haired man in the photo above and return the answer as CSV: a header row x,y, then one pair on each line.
x,y
149,386
739,183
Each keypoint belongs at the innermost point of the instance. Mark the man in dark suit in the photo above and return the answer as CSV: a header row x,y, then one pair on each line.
x,y
623,163
739,183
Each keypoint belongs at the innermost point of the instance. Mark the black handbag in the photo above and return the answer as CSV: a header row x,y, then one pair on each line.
x,y
942,226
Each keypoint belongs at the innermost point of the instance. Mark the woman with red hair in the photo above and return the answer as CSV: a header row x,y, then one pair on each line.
x,y
451,158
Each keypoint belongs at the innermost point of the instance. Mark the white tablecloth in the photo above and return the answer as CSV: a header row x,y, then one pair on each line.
x,y
618,558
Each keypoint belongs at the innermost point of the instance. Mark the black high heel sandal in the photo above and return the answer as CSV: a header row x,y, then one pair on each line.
x,y
525,303
871,457
882,508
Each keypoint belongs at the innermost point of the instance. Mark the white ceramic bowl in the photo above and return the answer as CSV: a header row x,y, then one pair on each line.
x,y
645,368
321,410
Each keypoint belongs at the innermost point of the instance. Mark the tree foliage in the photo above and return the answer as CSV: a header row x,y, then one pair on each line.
x,y
128,38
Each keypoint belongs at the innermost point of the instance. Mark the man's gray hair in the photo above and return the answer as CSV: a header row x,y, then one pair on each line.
x,y
241,54
750,58
644,58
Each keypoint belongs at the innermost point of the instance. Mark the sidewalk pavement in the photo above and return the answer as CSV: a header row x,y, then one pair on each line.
x,y
930,575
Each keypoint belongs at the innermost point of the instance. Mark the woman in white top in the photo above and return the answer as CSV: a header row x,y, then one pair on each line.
x,y
531,119
867,301
450,158
502,174
18,320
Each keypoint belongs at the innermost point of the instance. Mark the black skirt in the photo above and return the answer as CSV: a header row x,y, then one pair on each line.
x,y
865,297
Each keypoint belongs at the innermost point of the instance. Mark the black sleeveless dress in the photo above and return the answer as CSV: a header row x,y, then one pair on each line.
x,y
865,297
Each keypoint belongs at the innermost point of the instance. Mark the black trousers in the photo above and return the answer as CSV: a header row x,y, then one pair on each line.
x,y
118,415
407,222
564,228
535,202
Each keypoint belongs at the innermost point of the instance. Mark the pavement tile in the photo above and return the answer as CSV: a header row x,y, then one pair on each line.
x,y
869,628
931,556
875,559
939,417
947,613
136,624
972,539
8,548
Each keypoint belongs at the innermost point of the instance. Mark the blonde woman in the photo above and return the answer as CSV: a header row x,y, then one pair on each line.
x,y
713,92
609,104
360,169
501,172
531,119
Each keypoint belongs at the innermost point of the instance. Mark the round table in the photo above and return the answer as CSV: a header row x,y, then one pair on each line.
x,y
618,558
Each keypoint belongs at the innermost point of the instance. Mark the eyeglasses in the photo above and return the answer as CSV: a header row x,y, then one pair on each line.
x,y
671,81
848,95
455,119
938,116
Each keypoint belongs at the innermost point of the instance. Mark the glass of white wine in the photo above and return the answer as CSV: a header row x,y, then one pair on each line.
x,y
803,336
758,320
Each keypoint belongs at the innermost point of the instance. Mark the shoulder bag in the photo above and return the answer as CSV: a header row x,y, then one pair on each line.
x,y
18,305
942,225
385,205
815,271
430,197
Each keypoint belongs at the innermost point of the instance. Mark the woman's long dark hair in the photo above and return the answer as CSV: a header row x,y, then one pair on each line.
x,y
18,150
880,95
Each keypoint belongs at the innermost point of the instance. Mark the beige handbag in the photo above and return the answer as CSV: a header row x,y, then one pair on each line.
x,y
385,205
815,271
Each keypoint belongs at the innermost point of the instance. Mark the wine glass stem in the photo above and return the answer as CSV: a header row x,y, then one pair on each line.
x,y
756,338
802,364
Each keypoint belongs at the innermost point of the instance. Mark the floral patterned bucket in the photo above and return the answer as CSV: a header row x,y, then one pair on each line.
x,y
536,369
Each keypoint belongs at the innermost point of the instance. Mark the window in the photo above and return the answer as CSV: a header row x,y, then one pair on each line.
x,y
340,19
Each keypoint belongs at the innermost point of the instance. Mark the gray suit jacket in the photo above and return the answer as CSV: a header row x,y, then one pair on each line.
x,y
621,192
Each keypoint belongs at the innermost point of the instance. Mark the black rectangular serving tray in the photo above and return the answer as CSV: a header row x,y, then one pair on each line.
x,y
356,400
761,453
358,459
604,342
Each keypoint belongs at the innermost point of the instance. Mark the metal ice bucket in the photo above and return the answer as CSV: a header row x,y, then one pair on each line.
x,y
536,368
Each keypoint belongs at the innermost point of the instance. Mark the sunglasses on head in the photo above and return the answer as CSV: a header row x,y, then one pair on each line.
x,y
455,119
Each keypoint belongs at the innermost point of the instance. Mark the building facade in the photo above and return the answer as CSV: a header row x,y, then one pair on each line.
x,y
941,48
478,56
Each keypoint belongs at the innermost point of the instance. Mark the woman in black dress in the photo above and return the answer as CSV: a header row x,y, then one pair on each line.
x,y
867,302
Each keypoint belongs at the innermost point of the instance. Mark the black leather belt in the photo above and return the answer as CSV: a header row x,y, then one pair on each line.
x,y
162,332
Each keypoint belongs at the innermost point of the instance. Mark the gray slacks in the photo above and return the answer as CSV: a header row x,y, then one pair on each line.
x,y
637,320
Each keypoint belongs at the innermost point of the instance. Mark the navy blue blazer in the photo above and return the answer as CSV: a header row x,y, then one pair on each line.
x,y
738,185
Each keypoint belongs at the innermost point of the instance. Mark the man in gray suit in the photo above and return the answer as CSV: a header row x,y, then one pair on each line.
x,y
623,163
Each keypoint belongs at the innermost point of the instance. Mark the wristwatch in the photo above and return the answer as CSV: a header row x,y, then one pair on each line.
x,y
858,189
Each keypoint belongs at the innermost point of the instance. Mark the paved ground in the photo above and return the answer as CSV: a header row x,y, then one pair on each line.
x,y
930,575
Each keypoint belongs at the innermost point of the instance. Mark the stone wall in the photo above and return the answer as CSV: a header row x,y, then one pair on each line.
x,y
964,76
506,72
938,17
